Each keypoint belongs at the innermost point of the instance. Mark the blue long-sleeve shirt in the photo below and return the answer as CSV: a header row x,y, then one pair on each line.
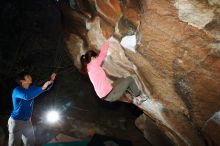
x,y
23,100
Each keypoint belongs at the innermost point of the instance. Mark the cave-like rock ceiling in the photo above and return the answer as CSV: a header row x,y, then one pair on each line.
x,y
171,48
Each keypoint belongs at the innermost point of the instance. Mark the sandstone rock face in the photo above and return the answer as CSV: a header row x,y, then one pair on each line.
x,y
212,128
75,47
109,10
174,58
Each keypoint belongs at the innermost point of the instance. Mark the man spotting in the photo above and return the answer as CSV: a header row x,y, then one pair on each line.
x,y
19,123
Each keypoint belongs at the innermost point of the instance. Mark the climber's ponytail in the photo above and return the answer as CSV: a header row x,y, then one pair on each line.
x,y
85,59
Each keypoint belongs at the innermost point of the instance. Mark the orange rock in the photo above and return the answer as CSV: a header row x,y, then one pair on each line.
x,y
135,5
212,128
107,29
132,15
83,7
110,10
212,63
204,94
125,27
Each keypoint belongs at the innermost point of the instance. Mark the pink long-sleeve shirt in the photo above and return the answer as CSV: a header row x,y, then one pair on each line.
x,y
97,74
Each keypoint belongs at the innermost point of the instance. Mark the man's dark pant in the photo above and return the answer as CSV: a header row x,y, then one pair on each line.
x,y
20,130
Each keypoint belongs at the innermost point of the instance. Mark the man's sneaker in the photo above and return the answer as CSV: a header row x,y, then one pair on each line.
x,y
140,99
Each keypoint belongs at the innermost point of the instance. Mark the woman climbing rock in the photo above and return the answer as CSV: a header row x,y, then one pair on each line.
x,y
92,64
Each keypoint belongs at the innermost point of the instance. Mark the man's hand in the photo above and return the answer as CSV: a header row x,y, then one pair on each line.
x,y
53,76
46,84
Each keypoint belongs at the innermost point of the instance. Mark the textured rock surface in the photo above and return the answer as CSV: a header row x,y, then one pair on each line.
x,y
176,61
212,128
109,10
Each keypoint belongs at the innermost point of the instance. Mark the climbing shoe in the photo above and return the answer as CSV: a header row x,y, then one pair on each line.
x,y
140,99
